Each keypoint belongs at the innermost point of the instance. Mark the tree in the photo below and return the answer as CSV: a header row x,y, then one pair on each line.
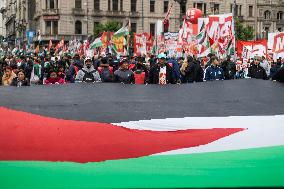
x,y
109,26
244,33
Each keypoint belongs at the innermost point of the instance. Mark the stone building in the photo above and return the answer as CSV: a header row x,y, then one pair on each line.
x,y
2,20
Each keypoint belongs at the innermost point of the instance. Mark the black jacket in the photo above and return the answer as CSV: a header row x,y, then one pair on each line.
x,y
279,75
257,72
155,71
17,83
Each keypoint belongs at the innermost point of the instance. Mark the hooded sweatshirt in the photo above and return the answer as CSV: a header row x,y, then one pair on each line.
x,y
88,75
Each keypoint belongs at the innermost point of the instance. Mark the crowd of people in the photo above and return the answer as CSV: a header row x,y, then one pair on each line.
x,y
26,70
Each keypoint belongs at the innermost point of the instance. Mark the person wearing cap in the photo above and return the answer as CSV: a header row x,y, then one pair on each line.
x,y
88,73
161,73
256,71
123,74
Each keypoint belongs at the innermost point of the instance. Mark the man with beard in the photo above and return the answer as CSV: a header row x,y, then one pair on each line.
x,y
123,74
162,72
88,73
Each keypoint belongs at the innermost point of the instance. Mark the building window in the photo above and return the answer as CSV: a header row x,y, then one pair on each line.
x,y
133,27
237,11
48,27
133,5
200,6
55,28
152,29
96,24
115,5
78,4
52,4
166,6
152,6
96,5
250,11
266,32
216,8
121,5
78,27
280,15
108,5
267,15
280,29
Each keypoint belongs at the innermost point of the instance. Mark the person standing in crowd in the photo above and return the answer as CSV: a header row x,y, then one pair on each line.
x,y
279,75
8,76
106,71
214,72
140,71
229,68
88,73
123,74
161,73
264,63
53,78
256,71
20,80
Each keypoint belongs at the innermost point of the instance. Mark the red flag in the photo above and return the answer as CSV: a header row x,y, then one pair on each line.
x,y
59,45
49,45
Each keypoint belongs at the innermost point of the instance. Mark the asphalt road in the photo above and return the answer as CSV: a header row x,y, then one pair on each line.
x,y
113,102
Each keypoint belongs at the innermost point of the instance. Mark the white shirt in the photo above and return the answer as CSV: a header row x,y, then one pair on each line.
x,y
163,75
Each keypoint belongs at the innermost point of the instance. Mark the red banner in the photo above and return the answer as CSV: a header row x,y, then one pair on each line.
x,y
249,49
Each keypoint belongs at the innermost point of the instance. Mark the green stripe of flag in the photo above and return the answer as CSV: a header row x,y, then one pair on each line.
x,y
260,167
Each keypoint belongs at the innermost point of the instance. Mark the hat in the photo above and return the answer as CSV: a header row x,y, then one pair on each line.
x,y
87,58
162,55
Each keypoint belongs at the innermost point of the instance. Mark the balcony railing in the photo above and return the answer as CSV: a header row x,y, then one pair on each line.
x,y
78,12
98,13
58,37
50,11
117,13
134,14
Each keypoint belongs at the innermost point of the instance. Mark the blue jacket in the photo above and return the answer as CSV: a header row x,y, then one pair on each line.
x,y
214,73
176,69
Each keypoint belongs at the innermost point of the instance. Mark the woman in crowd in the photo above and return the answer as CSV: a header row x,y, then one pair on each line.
x,y
53,78
20,80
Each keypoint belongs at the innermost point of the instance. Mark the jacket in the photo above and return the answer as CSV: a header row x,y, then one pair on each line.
x,y
93,75
214,73
257,72
155,71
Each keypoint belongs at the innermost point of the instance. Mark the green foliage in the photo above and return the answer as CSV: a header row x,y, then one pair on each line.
x,y
109,26
244,33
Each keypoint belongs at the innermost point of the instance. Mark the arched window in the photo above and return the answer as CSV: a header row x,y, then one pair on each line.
x,y
78,27
267,15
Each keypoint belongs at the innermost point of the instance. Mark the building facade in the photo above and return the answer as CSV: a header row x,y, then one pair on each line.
x,y
54,19
2,19
17,19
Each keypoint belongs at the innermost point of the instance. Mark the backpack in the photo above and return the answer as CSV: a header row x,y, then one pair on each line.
x,y
89,76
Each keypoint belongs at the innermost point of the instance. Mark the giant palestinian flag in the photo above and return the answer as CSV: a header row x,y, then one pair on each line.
x,y
220,134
